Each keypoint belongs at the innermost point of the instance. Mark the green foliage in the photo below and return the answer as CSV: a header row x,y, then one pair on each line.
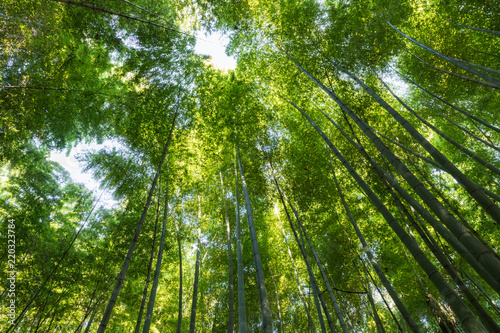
x,y
71,74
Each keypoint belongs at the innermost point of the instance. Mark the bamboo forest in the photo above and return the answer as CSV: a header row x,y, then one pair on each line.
x,y
343,177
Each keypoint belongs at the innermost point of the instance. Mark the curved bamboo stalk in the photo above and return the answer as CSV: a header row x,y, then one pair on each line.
x,y
491,194
491,208
104,10
322,271
472,135
487,69
381,294
194,302
484,83
56,267
316,295
493,32
147,11
383,278
486,319
301,293
378,321
179,313
277,300
452,207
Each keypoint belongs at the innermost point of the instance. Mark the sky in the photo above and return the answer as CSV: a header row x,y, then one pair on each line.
x,y
213,45
71,164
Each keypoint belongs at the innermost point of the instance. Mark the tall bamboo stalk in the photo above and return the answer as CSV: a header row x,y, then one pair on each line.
x,y
150,266
267,323
448,219
454,61
301,293
179,247
467,319
154,287
126,264
462,111
450,238
230,296
442,134
320,266
242,318
316,291
463,235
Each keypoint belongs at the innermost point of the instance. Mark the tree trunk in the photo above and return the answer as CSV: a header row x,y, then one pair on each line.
x,y
383,298
485,318
407,79
376,317
91,306
436,165
494,32
91,320
443,135
323,275
445,323
448,219
487,69
277,300
463,77
179,315
388,286
85,5
317,304
452,207
486,295
145,10
56,267
487,142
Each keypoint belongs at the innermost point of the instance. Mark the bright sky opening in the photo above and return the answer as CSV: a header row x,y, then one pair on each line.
x,y
214,45
71,164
